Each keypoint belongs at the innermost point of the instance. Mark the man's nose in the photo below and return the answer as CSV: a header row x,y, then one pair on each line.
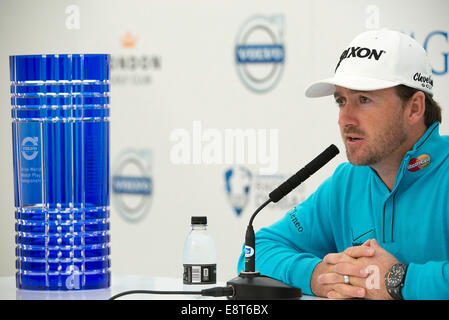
x,y
347,116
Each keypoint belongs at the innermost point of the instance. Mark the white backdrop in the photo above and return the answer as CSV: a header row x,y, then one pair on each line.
x,y
175,81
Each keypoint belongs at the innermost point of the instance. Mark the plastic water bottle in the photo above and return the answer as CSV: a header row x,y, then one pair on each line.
x,y
199,258
60,138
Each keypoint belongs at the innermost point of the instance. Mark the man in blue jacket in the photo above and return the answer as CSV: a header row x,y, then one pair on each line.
x,y
378,228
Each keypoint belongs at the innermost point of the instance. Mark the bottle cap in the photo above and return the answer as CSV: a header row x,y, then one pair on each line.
x,y
199,220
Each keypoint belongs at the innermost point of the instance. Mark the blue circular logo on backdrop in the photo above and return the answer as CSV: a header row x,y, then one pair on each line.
x,y
260,52
132,184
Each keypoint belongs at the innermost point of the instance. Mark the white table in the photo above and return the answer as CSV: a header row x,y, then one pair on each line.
x,y
119,283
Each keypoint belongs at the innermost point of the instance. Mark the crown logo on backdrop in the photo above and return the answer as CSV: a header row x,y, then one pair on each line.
x,y
128,40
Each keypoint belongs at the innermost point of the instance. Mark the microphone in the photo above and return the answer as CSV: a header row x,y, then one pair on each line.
x,y
300,176
250,284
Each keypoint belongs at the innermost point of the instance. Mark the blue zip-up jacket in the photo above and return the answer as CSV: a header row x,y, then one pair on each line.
x,y
411,222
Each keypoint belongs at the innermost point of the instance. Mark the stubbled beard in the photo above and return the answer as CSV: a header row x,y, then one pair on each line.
x,y
379,147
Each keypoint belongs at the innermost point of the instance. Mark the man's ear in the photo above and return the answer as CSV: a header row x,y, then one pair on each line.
x,y
416,107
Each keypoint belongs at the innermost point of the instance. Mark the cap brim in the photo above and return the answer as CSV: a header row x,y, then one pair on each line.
x,y
326,87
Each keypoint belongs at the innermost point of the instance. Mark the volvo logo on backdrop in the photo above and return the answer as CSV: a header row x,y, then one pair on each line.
x,y
260,52
132,185
244,188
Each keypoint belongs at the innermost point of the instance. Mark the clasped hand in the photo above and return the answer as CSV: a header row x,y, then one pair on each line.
x,y
365,267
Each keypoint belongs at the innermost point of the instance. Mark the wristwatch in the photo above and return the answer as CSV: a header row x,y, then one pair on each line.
x,y
395,279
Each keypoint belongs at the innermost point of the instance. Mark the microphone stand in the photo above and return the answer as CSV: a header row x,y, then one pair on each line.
x,y
250,284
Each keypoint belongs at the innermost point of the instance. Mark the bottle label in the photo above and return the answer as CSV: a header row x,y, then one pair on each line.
x,y
200,274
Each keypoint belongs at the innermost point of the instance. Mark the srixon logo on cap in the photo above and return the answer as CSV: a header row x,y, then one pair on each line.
x,y
416,164
359,52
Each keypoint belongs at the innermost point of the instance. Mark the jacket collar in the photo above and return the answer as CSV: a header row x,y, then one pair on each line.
x,y
425,155
429,137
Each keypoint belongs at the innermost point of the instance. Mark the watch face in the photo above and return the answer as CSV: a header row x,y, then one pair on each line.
x,y
394,277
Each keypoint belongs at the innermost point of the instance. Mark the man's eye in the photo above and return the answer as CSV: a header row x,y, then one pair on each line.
x,y
340,101
364,99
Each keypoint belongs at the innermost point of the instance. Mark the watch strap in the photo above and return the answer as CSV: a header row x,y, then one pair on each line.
x,y
396,292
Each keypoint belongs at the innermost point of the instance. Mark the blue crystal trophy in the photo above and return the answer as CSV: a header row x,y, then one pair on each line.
x,y
60,139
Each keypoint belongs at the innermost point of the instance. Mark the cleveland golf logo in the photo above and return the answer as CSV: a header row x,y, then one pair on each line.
x,y
426,82
416,164
359,52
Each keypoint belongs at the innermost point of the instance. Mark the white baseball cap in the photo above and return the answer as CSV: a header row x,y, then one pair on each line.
x,y
376,60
